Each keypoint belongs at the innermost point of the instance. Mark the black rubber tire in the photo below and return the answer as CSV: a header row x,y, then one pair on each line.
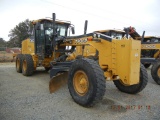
x,y
133,89
29,65
19,58
93,58
147,65
154,71
79,56
89,57
97,82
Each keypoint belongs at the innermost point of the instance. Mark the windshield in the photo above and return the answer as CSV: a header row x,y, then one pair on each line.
x,y
116,35
154,40
60,29
151,40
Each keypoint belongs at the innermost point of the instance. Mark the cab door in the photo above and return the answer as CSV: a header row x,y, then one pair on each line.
x,y
40,41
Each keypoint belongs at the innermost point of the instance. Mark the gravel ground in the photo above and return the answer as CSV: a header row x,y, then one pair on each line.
x,y
28,98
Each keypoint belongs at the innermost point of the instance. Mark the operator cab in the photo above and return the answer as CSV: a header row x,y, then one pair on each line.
x,y
116,34
43,34
150,39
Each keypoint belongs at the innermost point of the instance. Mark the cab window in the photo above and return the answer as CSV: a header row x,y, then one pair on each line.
x,y
116,35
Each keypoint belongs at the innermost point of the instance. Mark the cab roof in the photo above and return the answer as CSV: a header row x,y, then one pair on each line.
x,y
158,37
50,20
108,30
151,37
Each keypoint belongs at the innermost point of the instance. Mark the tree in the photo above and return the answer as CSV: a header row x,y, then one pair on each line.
x,y
2,42
19,33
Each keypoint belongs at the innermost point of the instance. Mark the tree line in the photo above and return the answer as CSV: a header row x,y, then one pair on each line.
x,y
19,33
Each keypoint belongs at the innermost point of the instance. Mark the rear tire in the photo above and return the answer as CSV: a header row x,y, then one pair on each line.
x,y
133,89
27,65
19,59
86,82
155,72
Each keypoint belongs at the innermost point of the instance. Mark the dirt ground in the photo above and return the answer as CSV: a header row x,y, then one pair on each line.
x,y
28,98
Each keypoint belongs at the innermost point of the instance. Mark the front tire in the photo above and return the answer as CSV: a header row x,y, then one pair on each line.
x,y
155,72
28,65
86,82
133,89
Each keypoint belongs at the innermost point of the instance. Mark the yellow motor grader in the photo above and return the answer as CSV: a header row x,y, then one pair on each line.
x,y
69,59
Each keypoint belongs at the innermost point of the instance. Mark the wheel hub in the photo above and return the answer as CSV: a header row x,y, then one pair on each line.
x,y
24,65
17,63
81,83
158,72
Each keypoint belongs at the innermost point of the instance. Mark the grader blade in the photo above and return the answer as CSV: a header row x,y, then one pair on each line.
x,y
58,81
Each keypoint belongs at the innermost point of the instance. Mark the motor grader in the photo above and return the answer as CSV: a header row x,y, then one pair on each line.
x,y
37,50
117,60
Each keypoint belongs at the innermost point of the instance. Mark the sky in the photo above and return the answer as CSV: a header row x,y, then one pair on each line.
x,y
144,15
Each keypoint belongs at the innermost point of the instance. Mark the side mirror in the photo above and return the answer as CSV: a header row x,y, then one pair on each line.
x,y
73,30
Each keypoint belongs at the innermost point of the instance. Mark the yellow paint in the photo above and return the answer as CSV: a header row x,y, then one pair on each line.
x,y
81,83
27,47
120,59
126,62
156,55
